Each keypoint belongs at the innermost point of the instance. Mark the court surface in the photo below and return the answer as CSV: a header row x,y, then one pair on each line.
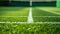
x,y
46,14
45,20
13,14
23,14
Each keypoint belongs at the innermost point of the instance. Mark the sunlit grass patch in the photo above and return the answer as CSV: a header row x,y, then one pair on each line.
x,y
54,9
15,12
38,12
29,28
46,19
13,19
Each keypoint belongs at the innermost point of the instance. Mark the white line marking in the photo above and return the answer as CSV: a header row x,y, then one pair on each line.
x,y
30,18
13,16
49,11
27,16
47,22
14,22
46,16
30,23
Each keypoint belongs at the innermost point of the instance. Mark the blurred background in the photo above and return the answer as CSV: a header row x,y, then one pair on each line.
x,y
27,2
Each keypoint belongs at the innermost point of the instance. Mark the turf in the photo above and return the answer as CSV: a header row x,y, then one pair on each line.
x,y
15,12
13,19
54,9
29,29
46,19
38,12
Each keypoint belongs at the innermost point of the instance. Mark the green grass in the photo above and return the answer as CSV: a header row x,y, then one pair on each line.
x,y
54,9
46,19
38,12
13,11
29,29
13,19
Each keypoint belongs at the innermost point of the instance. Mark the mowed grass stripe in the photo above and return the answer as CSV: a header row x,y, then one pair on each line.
x,y
54,9
46,19
14,14
39,12
13,19
23,12
12,8
30,28
49,11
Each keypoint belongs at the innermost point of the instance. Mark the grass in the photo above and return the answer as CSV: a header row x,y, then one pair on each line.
x,y
46,19
29,29
13,19
15,12
54,9
23,11
38,12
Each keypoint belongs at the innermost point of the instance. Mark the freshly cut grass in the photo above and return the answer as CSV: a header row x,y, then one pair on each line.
x,y
29,28
38,12
54,9
46,19
13,11
13,19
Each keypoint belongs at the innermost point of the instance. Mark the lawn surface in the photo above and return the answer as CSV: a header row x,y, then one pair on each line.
x,y
20,14
29,29
12,14
39,14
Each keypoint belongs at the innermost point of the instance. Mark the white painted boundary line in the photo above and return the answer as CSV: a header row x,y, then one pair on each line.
x,y
29,23
14,22
46,16
30,18
47,22
49,11
27,16
13,16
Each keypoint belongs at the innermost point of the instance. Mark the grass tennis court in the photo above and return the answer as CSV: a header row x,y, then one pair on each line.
x,y
20,14
29,17
40,14
54,9
29,29
13,14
